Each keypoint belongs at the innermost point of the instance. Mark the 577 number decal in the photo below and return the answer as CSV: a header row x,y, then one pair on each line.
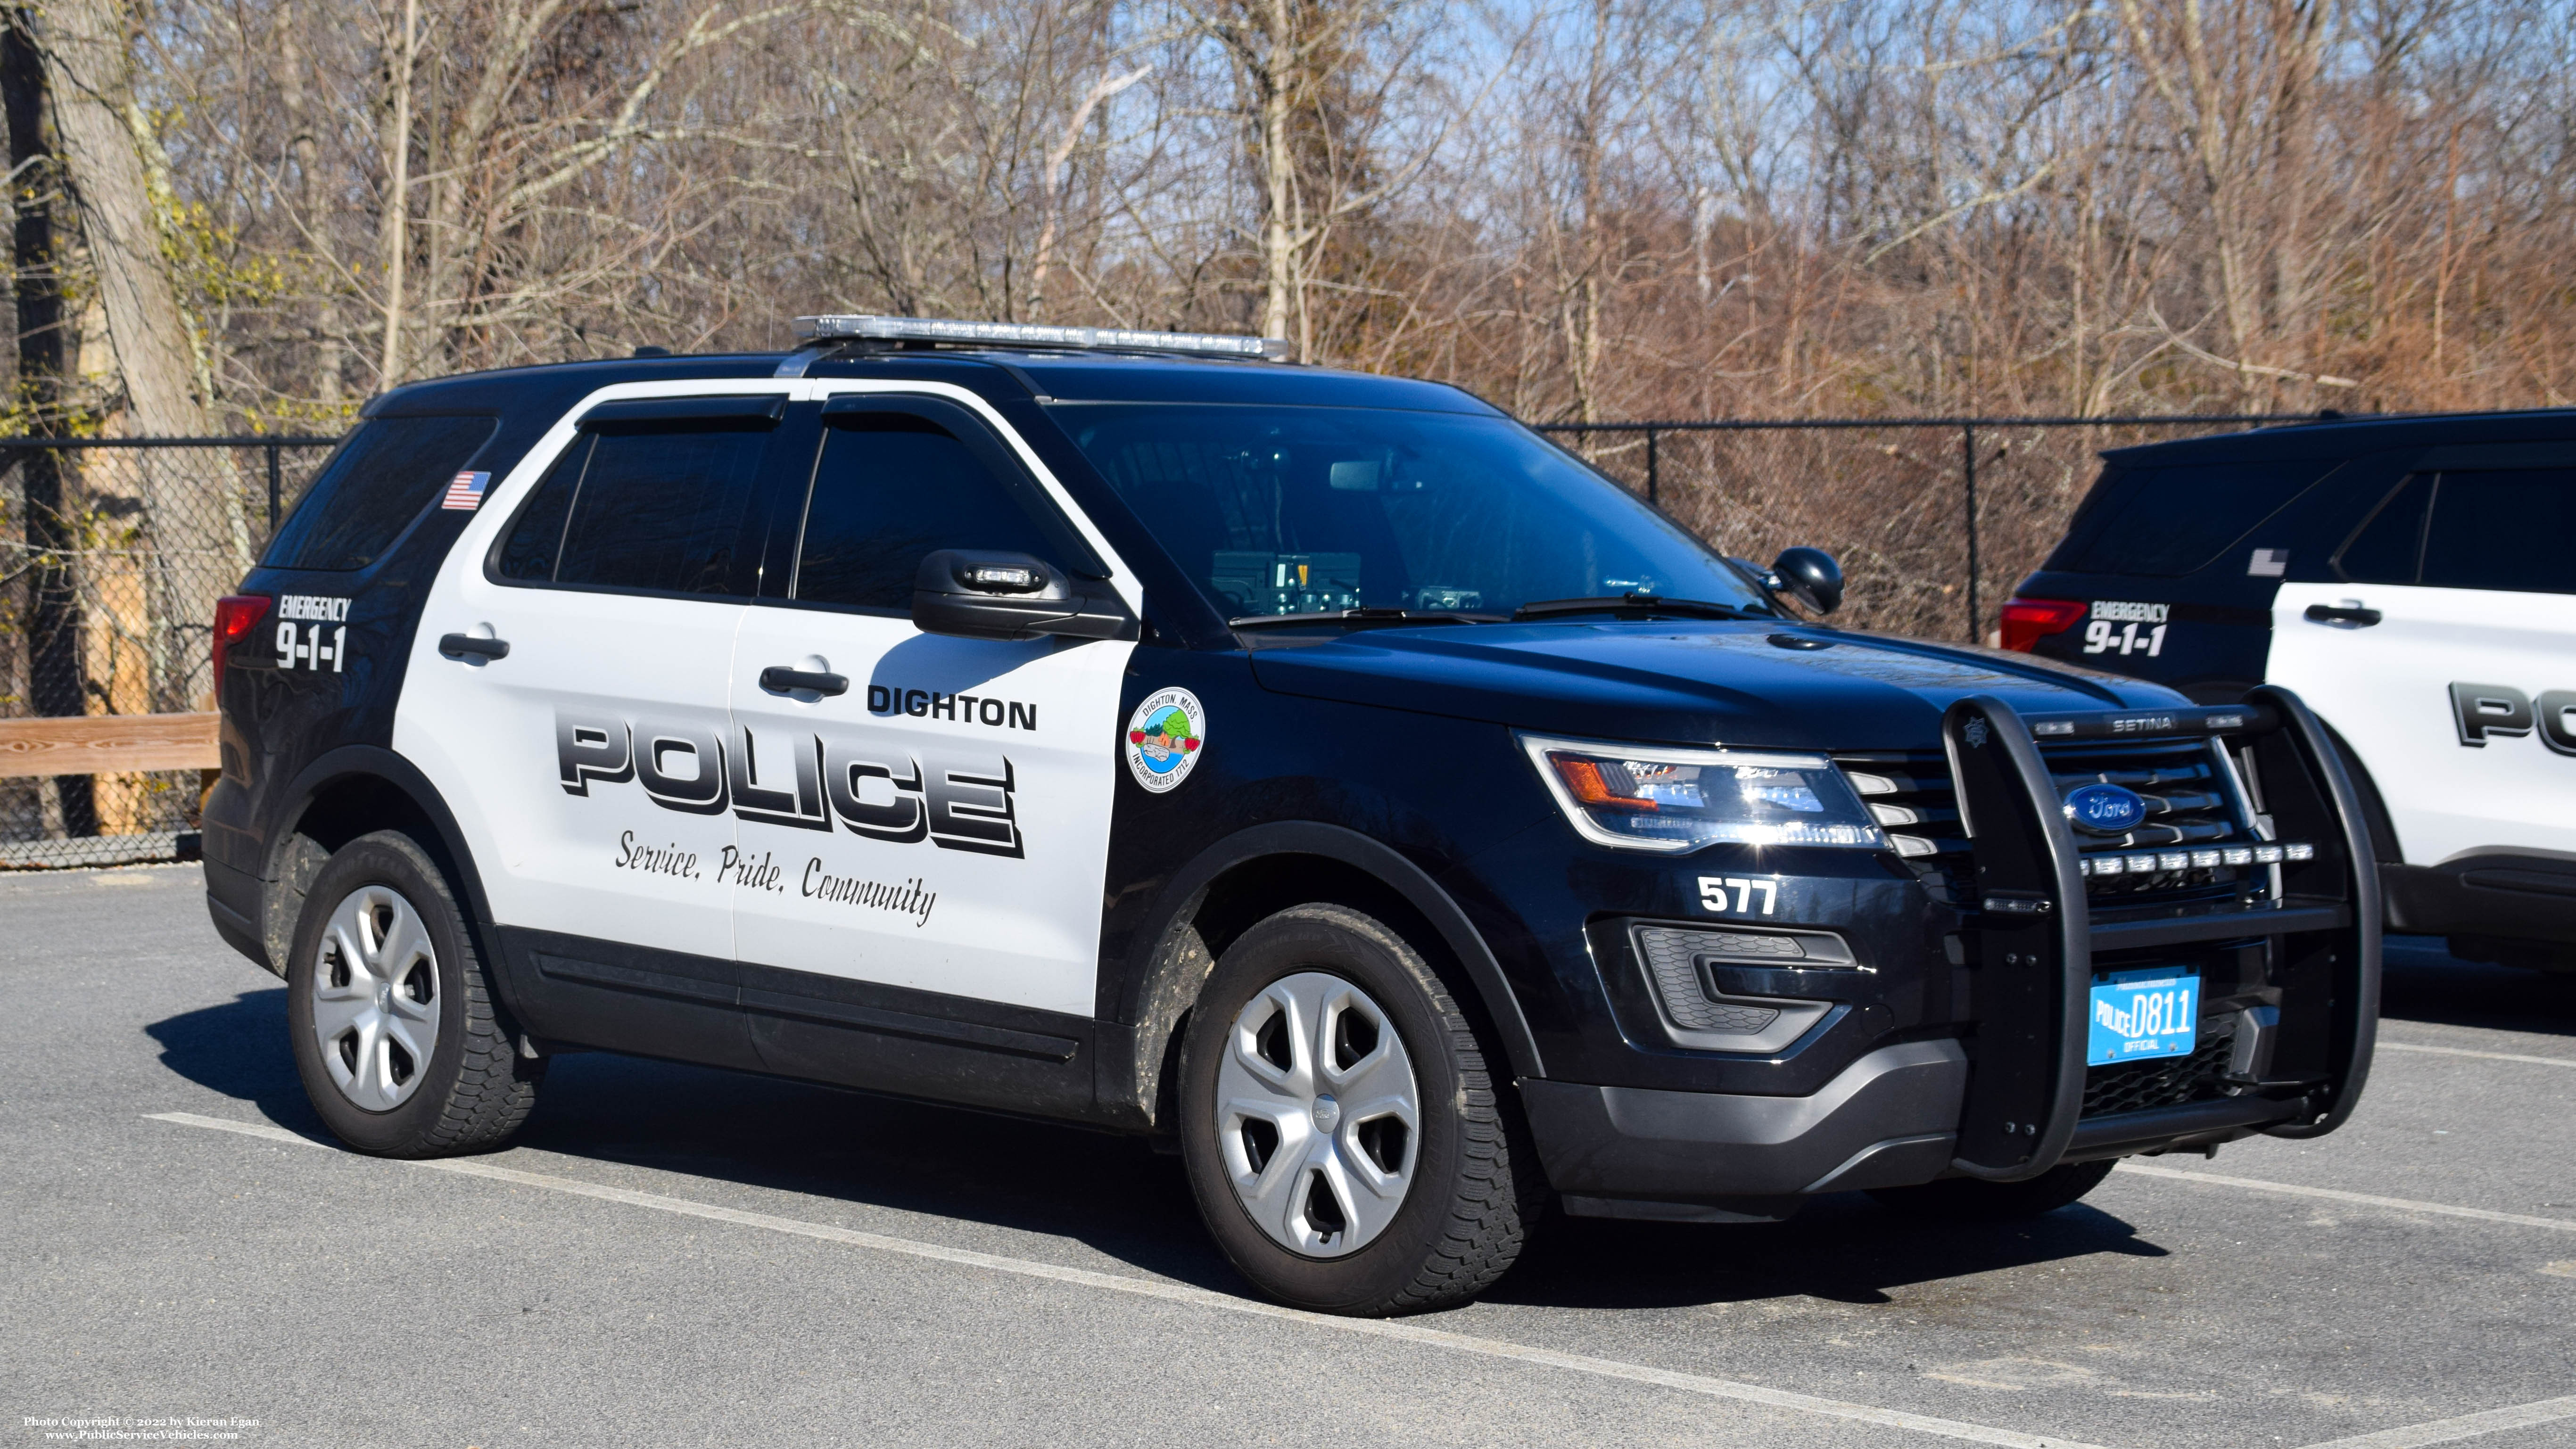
x,y
1713,889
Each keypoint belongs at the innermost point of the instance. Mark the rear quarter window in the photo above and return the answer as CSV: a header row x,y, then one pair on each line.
x,y
383,475
2169,521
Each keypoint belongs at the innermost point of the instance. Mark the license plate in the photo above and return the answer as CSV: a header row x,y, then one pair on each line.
x,y
2141,1015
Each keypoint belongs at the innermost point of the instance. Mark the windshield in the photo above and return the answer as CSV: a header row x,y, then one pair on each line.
x,y
1300,510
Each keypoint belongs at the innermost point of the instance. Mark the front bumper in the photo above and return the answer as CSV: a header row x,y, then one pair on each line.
x,y
1892,1117
2012,1095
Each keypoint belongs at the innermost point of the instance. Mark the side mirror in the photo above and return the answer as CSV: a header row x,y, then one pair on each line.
x,y
976,594
1810,576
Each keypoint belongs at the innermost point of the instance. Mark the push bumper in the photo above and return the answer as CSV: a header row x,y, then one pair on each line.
x,y
2008,1099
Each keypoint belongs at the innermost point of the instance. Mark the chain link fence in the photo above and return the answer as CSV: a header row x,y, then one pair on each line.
x,y
1933,519
112,554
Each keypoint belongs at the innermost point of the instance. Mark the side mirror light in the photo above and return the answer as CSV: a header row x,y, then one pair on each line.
x,y
983,594
1810,576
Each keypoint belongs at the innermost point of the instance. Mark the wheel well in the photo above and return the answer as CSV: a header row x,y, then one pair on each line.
x,y
2374,807
339,812
356,805
1241,896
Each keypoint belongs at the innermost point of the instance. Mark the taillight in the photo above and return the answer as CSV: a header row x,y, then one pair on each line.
x,y
2027,621
235,616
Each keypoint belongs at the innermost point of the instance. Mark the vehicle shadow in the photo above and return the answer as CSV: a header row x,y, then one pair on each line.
x,y
2423,982
1844,1248
239,1049
1115,1195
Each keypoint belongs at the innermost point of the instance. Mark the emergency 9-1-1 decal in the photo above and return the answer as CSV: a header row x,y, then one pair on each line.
x,y
311,632
1165,737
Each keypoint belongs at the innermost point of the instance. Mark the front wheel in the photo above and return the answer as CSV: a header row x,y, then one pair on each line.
x,y
1344,1135
396,1030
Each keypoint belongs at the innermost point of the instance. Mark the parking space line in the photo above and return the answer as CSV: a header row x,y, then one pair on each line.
x,y
2399,1046
2400,1204
1397,1329
2467,1426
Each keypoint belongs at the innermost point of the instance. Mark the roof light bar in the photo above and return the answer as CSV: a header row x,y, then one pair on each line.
x,y
861,327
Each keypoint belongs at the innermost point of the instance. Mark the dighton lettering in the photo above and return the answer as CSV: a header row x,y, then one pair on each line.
x,y
989,711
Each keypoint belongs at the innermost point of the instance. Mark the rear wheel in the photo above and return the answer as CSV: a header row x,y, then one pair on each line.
x,y
395,1027
1343,1132
1971,1199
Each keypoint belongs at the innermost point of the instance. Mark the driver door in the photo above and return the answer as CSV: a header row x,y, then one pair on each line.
x,y
921,817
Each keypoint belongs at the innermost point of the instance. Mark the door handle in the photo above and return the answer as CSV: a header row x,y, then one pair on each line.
x,y
458,646
779,679
2352,614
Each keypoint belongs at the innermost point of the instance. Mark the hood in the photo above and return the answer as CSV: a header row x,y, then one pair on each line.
x,y
1754,683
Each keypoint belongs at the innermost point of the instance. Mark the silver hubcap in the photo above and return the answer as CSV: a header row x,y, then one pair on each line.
x,y
375,999
1317,1115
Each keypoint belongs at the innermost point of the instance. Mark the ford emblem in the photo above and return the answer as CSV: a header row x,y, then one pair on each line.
x,y
2105,809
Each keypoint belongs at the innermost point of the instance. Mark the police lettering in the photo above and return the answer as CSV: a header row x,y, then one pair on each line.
x,y
2483,710
955,799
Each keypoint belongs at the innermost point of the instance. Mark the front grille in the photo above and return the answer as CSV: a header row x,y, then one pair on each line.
x,y
2178,856
2167,1081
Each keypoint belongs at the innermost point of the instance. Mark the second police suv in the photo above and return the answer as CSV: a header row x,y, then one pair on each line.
x,y
2414,579
1320,772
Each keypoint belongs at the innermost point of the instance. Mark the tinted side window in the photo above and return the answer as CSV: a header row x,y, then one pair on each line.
x,y
2385,549
892,487
2081,527
669,511
2176,520
2512,529
528,554
378,481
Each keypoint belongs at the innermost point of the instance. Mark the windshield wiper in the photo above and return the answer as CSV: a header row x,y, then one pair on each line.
x,y
1363,618
1635,606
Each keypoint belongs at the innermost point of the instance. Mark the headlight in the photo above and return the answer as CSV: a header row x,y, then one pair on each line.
x,y
1656,797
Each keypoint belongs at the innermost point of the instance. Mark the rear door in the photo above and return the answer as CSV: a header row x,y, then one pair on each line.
x,y
937,826
578,725
2445,651
2169,575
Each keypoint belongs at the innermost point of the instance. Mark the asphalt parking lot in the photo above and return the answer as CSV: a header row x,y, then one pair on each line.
x,y
680,1256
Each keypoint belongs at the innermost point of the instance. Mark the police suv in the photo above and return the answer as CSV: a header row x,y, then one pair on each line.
x,y
1320,773
2415,582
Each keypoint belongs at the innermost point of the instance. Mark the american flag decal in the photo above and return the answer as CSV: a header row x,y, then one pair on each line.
x,y
466,492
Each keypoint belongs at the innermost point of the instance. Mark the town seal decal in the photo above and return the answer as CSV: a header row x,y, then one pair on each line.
x,y
1165,737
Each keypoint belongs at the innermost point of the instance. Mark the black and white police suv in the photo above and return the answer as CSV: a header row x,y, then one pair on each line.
x,y
2415,582
1320,772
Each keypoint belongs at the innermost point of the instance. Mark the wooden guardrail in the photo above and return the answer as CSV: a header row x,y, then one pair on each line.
x,y
107,744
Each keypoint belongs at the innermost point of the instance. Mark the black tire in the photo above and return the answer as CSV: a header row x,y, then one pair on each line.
x,y
1475,1187
1974,1200
476,1088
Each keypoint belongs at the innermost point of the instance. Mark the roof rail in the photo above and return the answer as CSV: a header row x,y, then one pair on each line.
x,y
867,328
